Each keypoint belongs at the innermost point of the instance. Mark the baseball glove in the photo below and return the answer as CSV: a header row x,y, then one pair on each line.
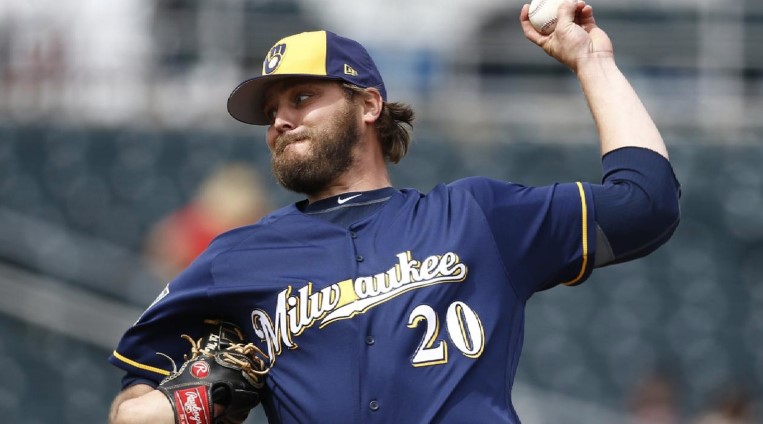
x,y
222,370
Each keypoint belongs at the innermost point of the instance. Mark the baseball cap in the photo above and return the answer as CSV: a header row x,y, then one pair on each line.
x,y
315,54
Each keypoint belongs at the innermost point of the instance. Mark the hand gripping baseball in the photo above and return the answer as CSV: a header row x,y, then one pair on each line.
x,y
576,37
222,370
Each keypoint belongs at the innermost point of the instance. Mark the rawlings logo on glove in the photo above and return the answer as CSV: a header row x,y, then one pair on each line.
x,y
193,407
222,369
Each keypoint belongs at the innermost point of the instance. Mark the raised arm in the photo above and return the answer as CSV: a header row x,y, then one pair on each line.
x,y
637,205
621,118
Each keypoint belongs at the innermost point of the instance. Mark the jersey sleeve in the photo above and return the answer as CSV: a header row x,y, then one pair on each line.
x,y
545,235
639,186
148,348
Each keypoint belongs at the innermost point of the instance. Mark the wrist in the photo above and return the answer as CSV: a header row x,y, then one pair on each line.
x,y
595,64
152,407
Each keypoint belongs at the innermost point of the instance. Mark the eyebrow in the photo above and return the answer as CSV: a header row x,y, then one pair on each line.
x,y
286,87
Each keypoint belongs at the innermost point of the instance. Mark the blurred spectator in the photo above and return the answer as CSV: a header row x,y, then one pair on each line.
x,y
231,197
654,401
73,60
733,407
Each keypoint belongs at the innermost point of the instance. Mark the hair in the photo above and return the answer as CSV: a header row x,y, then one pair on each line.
x,y
393,126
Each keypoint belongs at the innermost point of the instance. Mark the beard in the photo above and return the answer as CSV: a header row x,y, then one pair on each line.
x,y
329,155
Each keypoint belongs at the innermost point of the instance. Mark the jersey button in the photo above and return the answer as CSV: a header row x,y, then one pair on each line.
x,y
359,258
370,340
374,405
353,234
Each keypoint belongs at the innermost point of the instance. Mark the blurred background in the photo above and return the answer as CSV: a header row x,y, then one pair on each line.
x,y
118,162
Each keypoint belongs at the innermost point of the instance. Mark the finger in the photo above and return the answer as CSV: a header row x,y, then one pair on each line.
x,y
566,13
524,14
219,409
586,19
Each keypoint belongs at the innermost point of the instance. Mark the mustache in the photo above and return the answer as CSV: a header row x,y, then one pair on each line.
x,y
284,140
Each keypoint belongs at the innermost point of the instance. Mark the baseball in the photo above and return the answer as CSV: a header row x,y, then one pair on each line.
x,y
543,15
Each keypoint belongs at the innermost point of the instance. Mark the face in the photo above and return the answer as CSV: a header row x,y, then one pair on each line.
x,y
313,132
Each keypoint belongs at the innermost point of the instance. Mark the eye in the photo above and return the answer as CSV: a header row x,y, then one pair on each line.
x,y
270,113
301,97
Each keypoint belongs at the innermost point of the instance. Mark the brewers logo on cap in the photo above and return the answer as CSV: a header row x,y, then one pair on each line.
x,y
273,59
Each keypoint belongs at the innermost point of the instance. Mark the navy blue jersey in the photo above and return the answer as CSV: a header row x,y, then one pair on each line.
x,y
412,314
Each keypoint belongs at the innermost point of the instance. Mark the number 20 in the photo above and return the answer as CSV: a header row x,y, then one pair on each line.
x,y
464,329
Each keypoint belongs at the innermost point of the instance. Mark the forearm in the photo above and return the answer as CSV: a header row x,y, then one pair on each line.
x,y
141,404
621,119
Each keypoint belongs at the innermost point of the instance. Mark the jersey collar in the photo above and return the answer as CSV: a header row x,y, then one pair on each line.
x,y
353,198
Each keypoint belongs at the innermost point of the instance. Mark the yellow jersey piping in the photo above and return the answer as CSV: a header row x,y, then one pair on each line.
x,y
139,365
584,215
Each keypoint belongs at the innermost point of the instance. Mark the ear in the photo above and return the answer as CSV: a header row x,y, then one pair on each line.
x,y
372,105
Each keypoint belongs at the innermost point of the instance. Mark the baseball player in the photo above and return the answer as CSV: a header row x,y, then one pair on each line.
x,y
375,304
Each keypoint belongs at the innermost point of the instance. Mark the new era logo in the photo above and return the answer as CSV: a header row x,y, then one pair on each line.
x,y
349,71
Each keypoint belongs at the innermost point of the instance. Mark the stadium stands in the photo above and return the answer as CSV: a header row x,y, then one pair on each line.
x,y
692,308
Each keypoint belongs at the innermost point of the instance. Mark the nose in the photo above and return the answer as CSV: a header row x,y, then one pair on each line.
x,y
283,120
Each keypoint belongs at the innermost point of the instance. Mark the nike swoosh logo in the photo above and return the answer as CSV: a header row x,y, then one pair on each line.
x,y
343,201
